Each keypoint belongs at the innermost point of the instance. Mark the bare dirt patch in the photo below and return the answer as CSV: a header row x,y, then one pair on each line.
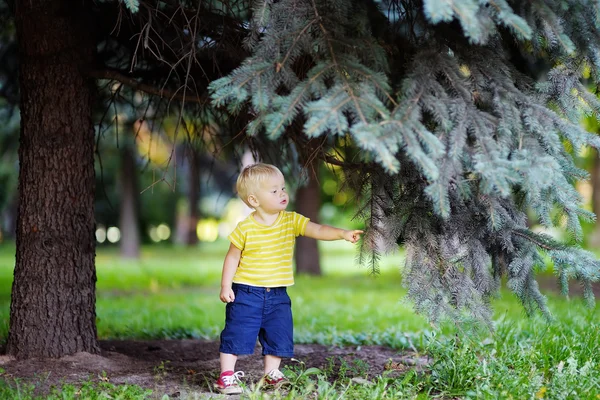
x,y
187,368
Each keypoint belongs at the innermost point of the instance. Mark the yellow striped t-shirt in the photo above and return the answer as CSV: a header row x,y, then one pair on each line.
x,y
267,251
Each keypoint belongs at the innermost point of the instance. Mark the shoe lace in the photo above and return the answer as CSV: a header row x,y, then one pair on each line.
x,y
276,374
232,379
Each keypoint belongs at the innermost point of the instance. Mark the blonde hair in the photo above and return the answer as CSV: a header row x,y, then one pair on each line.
x,y
252,176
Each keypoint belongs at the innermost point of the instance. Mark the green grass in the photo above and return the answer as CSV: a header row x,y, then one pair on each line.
x,y
15,389
173,293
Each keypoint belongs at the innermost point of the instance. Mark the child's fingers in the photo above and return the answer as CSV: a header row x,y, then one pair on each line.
x,y
227,297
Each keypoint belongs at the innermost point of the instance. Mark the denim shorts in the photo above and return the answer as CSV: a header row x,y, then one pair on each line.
x,y
260,312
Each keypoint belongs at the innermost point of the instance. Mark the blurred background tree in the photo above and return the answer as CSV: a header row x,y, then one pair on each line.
x,y
9,126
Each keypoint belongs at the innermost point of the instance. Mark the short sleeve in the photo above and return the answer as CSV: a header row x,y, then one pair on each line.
x,y
300,222
238,237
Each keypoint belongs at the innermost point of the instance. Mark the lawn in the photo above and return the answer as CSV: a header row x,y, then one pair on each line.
x,y
173,293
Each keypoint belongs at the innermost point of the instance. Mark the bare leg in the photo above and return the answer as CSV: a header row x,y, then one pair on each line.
x,y
227,361
271,363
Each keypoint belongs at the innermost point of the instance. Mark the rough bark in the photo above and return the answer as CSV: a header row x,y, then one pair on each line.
x,y
308,203
129,216
53,295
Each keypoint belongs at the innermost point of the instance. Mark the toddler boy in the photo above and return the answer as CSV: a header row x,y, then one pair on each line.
x,y
256,272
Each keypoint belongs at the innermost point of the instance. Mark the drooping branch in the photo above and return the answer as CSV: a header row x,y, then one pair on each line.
x,y
150,89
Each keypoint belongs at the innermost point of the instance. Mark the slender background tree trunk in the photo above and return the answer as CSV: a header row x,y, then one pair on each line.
x,y
9,220
52,310
594,239
191,238
308,203
129,215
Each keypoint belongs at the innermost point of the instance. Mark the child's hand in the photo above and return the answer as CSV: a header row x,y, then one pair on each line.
x,y
227,295
352,236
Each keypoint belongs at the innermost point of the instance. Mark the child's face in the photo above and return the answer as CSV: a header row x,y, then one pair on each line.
x,y
271,195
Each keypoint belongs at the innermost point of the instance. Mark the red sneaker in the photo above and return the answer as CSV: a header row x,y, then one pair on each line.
x,y
275,378
229,382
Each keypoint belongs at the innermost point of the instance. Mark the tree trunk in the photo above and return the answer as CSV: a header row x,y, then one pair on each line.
x,y
191,238
594,239
128,216
52,311
308,203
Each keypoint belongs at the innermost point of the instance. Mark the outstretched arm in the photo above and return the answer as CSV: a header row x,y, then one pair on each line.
x,y
232,260
326,232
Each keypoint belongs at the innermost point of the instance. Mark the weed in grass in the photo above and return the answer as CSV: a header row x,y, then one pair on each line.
x,y
379,389
455,369
103,377
329,369
255,392
325,389
360,368
298,375
342,372
16,389
338,369
161,370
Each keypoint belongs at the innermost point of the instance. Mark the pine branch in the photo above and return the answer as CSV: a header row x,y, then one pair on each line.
x,y
456,140
152,90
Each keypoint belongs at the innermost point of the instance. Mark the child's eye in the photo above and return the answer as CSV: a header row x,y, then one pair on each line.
x,y
283,188
274,191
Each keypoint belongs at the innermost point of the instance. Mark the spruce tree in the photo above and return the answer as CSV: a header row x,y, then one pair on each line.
x,y
464,115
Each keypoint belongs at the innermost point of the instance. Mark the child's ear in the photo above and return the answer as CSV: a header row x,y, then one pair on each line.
x,y
252,200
